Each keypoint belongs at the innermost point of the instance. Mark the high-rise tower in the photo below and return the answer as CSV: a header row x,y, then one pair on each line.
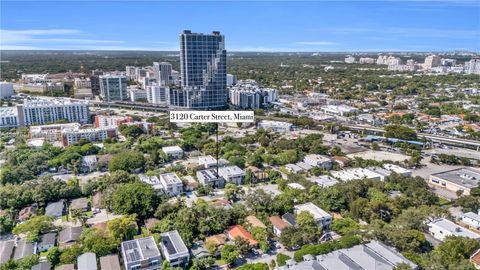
x,y
203,64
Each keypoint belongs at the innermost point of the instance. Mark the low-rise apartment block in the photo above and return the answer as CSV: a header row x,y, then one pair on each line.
x,y
232,174
209,177
318,161
174,249
442,228
141,254
318,214
173,151
172,185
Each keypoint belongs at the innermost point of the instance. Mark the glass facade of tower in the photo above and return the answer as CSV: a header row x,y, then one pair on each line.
x,y
113,87
203,64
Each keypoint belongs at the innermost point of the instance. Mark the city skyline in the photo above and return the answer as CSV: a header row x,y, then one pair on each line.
x,y
250,26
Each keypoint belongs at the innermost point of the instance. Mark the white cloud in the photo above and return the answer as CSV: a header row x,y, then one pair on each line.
x,y
317,43
18,47
30,38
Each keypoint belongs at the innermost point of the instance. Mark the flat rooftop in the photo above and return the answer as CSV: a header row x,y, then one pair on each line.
x,y
208,174
52,102
311,208
140,249
170,178
465,177
318,158
7,111
173,243
453,228
175,148
206,160
231,171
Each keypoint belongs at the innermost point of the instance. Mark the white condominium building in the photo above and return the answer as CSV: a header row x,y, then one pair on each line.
x,y
172,185
71,136
51,132
43,111
6,90
158,94
8,117
248,95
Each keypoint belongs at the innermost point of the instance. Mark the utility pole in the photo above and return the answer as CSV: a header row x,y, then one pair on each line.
x,y
216,134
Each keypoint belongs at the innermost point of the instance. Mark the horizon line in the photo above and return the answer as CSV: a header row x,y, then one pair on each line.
x,y
244,51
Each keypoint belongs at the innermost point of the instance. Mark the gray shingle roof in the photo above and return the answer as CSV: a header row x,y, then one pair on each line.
x,y
6,250
87,261
109,262
48,239
70,234
54,209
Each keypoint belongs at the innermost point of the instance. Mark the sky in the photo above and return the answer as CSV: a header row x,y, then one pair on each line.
x,y
267,26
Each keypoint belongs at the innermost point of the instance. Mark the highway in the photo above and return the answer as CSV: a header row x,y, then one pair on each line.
x,y
162,108
430,137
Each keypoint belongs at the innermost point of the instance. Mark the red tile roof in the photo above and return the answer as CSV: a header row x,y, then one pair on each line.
x,y
239,231
475,259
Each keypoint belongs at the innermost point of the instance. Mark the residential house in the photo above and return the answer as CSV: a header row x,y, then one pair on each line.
x,y
23,249
341,161
172,185
65,267
318,161
397,169
87,261
154,181
232,174
442,228
304,166
55,209
293,168
141,254
471,219
47,242
110,262
323,181
475,259
258,175
239,231
318,214
80,205
27,212
373,255
255,222
278,225
218,239
89,163
97,202
290,219
6,250
174,249
174,152
209,177
69,236
42,266
207,161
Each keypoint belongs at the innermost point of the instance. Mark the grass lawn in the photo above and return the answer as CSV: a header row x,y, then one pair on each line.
x,y
444,201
